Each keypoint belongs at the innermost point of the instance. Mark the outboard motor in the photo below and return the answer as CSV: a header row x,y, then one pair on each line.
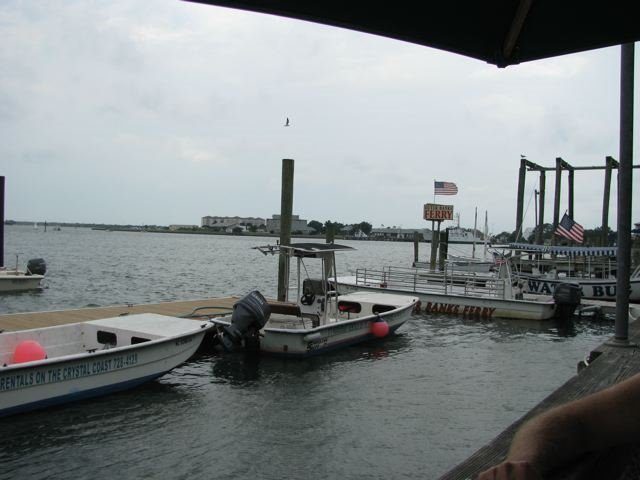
x,y
250,314
36,266
567,297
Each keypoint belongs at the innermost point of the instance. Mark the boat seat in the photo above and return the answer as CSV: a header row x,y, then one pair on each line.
x,y
286,309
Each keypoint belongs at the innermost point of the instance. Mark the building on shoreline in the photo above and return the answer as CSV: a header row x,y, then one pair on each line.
x,y
399,234
224,222
298,225
456,234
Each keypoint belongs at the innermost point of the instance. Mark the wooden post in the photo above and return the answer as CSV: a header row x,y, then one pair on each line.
x,y
444,248
1,221
520,204
416,240
556,200
286,211
330,234
609,165
543,179
570,191
435,237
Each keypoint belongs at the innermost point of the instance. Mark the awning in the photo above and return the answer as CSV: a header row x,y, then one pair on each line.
x,y
501,32
567,251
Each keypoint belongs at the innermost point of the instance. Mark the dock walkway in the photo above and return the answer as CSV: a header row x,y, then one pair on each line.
x,y
23,321
607,365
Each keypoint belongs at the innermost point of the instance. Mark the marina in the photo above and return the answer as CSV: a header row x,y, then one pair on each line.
x,y
382,393
416,404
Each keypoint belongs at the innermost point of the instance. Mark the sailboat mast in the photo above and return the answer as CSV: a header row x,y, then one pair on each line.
x,y
486,232
475,227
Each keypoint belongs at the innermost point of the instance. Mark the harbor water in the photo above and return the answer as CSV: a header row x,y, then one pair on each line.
x,y
411,406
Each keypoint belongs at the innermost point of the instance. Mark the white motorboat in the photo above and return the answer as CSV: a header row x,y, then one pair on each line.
x,y
456,263
14,280
320,318
53,365
467,295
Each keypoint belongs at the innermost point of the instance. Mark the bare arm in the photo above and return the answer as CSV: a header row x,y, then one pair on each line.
x,y
556,437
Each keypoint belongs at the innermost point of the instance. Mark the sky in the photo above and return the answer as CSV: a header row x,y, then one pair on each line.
x,y
162,112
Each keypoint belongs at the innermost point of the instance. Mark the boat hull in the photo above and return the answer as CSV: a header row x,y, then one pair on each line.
x,y
39,384
594,289
12,282
315,341
463,305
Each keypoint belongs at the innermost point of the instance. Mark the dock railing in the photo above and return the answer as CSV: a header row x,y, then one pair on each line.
x,y
446,283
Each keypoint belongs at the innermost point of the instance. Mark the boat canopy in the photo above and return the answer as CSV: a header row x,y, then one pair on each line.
x,y
307,250
315,250
564,250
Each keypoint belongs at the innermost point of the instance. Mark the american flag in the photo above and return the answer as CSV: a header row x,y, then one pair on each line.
x,y
569,229
445,188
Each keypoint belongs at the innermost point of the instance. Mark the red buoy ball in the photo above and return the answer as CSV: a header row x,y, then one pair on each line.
x,y
28,351
380,328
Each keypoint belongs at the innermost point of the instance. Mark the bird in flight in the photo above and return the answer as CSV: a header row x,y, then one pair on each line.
x,y
287,122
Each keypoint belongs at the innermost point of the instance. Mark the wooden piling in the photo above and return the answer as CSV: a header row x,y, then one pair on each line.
x,y
286,212
556,198
520,201
610,164
543,179
443,248
330,234
435,238
1,221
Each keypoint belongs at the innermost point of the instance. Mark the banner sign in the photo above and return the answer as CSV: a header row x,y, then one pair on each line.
x,y
434,211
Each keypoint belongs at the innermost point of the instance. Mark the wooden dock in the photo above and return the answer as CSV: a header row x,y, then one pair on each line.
x,y
23,321
608,364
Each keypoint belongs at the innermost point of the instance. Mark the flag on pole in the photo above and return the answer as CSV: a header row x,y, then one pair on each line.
x,y
569,229
444,188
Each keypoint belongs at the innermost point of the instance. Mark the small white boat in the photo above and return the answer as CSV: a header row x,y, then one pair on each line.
x,y
466,295
14,280
53,365
456,263
320,319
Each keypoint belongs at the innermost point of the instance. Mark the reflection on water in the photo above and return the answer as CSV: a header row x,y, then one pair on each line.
x,y
411,406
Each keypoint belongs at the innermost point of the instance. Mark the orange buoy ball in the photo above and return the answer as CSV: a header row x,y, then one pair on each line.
x,y
28,351
380,328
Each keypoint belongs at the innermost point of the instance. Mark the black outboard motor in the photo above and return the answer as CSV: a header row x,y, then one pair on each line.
x,y
567,297
36,266
250,314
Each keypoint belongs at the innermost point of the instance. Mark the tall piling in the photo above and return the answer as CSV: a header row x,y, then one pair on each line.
x,y
610,164
286,212
1,221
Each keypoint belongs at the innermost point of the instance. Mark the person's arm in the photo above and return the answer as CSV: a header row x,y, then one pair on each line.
x,y
556,437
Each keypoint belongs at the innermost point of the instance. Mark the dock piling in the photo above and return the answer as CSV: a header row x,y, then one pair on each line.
x,y
286,212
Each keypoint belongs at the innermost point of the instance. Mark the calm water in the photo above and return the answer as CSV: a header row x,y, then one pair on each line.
x,y
412,406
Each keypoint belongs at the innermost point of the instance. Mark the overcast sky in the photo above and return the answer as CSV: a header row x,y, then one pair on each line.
x,y
162,112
